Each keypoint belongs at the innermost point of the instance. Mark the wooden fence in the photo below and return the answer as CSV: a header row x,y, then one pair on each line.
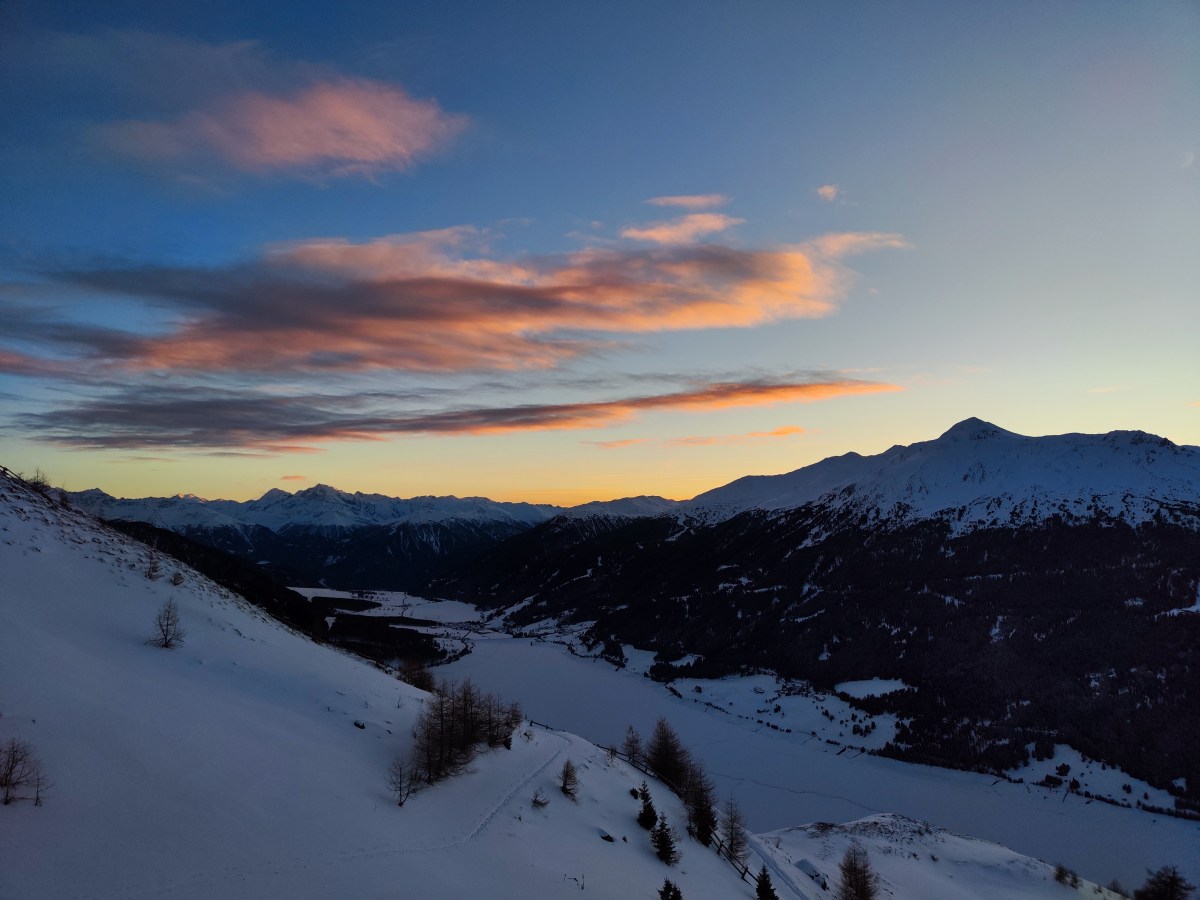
x,y
718,845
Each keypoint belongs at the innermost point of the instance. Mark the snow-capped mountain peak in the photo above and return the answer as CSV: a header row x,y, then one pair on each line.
x,y
974,429
979,474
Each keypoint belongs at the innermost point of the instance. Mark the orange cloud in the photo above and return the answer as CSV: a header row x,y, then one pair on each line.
x,y
828,192
336,127
722,395
425,302
293,478
748,437
683,230
690,201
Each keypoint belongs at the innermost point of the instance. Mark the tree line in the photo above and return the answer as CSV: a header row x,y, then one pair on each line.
x,y
455,721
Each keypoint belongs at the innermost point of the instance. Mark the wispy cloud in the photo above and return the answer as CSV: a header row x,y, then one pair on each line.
x,y
248,420
683,230
293,478
340,127
691,201
748,437
828,192
426,302
14,363
616,445
1113,389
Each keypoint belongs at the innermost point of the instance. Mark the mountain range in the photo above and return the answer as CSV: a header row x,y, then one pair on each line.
x,y
1029,589
976,475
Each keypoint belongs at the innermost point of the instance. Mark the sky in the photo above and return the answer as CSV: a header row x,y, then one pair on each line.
x,y
560,252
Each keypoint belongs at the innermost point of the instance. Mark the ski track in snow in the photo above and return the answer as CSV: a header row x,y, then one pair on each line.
x,y
779,877
235,874
771,786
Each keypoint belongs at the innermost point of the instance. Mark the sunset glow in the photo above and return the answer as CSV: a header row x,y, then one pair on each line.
x,y
533,254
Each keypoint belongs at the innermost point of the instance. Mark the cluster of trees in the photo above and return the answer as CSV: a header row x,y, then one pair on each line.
x,y
666,756
455,721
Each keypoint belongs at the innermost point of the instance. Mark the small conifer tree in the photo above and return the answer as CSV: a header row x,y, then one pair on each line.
x,y
648,814
733,831
763,889
663,839
168,630
632,746
1165,884
569,779
858,880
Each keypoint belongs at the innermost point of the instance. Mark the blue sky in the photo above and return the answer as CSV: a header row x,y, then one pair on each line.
x,y
563,252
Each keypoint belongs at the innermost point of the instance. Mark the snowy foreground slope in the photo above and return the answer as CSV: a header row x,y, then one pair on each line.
x,y
232,766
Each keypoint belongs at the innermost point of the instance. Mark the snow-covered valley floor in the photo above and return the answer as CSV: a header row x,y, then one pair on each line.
x,y
782,778
785,779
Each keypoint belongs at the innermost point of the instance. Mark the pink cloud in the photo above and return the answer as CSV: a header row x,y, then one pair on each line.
x,y
850,243
684,230
828,192
690,201
334,127
14,363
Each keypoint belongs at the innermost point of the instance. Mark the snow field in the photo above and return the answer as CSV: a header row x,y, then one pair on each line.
x,y
782,779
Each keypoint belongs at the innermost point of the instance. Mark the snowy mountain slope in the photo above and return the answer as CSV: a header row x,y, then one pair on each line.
x,y
323,535
232,767
320,508
912,858
626,507
982,474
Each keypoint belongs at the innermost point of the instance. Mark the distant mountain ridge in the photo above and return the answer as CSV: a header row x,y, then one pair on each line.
x,y
974,474
320,507
321,535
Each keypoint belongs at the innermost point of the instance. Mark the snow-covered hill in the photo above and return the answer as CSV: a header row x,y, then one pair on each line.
x,y
249,762
978,474
232,766
914,859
